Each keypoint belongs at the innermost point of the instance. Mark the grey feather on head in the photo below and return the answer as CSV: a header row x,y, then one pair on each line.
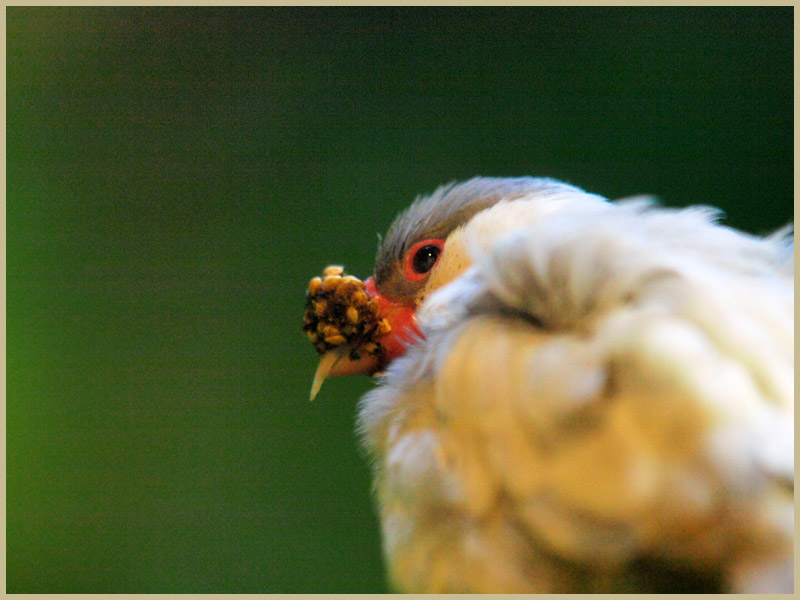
x,y
437,215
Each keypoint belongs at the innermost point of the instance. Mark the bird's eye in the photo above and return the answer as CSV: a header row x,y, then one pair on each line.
x,y
422,258
425,258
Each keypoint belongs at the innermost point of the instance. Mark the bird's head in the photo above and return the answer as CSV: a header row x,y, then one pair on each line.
x,y
427,246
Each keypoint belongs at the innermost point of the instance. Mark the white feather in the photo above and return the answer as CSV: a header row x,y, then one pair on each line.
x,y
598,383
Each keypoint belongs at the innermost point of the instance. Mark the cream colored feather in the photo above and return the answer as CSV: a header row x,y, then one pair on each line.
x,y
605,395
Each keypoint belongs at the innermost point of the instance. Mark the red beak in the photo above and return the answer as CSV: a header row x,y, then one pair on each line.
x,y
402,332
402,318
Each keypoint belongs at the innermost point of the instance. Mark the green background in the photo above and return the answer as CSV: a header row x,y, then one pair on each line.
x,y
175,177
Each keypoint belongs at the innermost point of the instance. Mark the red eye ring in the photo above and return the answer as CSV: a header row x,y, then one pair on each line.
x,y
422,257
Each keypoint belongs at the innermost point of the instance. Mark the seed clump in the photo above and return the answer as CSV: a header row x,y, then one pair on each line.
x,y
339,311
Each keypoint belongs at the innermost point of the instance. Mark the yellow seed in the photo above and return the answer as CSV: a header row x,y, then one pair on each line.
x,y
370,347
384,327
373,306
331,282
319,307
330,330
360,298
335,340
352,314
333,270
321,326
343,289
312,336
314,285
354,281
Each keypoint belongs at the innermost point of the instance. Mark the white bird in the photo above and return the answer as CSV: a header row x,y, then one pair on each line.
x,y
580,396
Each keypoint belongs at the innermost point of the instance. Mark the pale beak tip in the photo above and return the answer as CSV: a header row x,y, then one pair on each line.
x,y
326,363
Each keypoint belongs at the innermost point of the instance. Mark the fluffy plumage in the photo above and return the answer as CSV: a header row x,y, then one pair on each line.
x,y
601,400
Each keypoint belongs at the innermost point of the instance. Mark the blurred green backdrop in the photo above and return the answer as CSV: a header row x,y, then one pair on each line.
x,y
175,177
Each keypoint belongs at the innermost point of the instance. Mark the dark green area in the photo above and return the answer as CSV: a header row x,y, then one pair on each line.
x,y
175,177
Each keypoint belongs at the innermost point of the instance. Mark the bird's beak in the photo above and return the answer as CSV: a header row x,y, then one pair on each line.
x,y
401,332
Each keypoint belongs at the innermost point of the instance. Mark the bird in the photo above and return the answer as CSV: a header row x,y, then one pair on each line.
x,y
577,395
